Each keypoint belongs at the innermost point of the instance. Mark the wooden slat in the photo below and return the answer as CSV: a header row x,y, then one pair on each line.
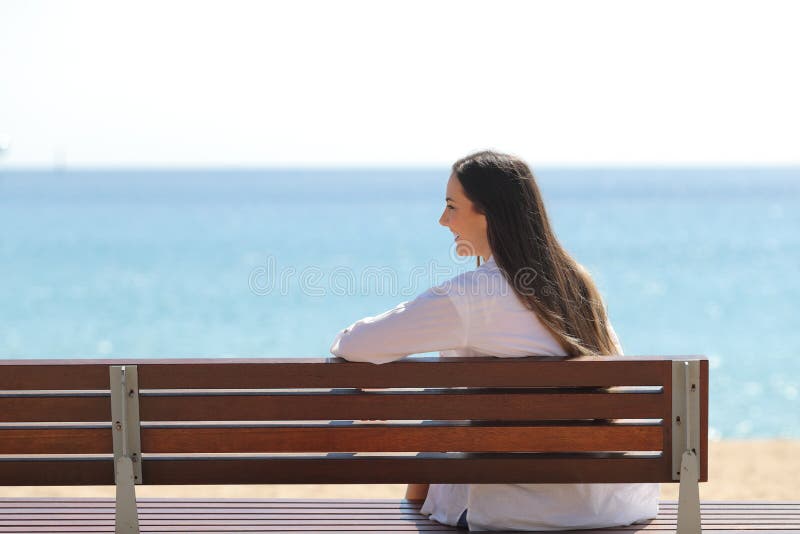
x,y
55,375
453,468
502,405
87,440
57,472
435,372
400,438
442,404
443,436
52,408
335,373
457,468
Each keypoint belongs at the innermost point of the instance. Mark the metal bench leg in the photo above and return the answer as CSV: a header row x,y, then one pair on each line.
x,y
689,496
127,446
127,515
686,438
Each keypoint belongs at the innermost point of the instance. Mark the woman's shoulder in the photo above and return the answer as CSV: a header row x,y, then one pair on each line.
x,y
476,282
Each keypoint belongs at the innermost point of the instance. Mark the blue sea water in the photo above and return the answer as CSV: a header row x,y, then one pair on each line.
x,y
274,262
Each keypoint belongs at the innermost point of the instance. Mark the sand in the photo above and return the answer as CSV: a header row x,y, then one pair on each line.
x,y
738,470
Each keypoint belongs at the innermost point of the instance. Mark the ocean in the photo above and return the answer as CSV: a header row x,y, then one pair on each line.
x,y
189,263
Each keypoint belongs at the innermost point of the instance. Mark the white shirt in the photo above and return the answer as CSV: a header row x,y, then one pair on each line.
x,y
476,314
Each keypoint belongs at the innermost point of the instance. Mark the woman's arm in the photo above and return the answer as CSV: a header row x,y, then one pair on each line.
x,y
417,492
429,323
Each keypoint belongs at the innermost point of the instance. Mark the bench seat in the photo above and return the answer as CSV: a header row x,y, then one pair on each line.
x,y
60,515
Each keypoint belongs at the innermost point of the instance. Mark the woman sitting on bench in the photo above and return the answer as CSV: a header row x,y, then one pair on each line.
x,y
529,297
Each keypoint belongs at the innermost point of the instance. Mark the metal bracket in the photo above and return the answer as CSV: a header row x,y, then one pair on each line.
x,y
686,442
685,412
127,444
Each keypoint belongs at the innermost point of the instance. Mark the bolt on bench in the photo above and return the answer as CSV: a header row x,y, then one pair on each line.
x,y
326,421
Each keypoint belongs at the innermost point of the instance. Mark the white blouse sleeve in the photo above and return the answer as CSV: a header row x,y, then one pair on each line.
x,y
431,322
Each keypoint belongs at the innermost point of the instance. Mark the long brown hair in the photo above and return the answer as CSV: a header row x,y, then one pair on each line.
x,y
543,275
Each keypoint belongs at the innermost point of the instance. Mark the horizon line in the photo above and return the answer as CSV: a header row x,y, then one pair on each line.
x,y
366,166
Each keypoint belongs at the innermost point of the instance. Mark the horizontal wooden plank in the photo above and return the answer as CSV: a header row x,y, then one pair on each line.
x,y
57,375
91,438
57,472
336,373
439,372
509,468
345,469
87,440
46,408
447,404
506,405
400,438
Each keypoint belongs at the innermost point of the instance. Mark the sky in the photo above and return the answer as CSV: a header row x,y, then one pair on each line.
x,y
318,83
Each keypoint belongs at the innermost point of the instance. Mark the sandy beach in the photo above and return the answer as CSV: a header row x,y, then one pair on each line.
x,y
738,470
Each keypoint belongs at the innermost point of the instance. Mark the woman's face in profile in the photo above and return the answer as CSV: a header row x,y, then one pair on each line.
x,y
466,223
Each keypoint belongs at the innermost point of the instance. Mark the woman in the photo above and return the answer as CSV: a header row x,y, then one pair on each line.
x,y
528,298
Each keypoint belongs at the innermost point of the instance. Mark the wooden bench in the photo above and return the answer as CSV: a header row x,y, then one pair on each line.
x,y
326,421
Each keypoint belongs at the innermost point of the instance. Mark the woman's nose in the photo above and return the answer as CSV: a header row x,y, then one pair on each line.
x,y
442,220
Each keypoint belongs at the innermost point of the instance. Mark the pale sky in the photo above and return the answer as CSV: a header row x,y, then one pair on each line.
x,y
233,83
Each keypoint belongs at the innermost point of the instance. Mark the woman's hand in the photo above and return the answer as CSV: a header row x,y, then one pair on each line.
x,y
417,492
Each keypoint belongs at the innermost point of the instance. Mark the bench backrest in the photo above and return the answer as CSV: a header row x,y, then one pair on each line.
x,y
265,421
